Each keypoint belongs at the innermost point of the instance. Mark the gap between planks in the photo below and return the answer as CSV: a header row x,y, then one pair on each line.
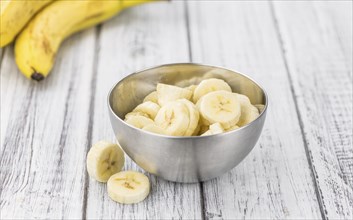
x,y
301,125
98,30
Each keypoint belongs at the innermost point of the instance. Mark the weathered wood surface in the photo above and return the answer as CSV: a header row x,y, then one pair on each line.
x,y
320,69
301,52
275,180
43,143
135,40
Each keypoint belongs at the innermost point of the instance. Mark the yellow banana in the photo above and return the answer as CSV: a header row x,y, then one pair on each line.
x,y
14,15
36,46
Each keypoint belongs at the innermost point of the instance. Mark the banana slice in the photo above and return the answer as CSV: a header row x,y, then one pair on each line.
x,y
220,106
149,108
210,85
248,114
260,107
197,130
215,128
154,129
139,121
133,114
194,116
203,129
243,99
167,93
153,97
191,88
128,187
104,159
173,117
233,128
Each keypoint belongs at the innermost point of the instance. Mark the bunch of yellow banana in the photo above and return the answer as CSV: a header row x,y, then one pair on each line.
x,y
41,26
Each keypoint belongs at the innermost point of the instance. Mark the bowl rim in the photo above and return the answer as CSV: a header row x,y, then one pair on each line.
x,y
187,137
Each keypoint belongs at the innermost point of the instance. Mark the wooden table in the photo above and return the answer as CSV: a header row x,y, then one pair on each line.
x,y
302,166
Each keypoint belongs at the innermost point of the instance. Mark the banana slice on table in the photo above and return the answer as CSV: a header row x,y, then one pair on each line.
x,y
104,159
194,116
248,114
167,93
128,187
153,97
149,108
174,118
210,85
220,106
154,129
215,128
139,121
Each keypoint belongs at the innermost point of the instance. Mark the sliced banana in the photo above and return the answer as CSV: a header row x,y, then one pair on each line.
x,y
243,99
233,128
132,114
173,117
220,106
203,129
103,160
248,114
154,129
139,121
197,130
194,116
260,107
149,108
153,97
210,85
215,128
167,93
191,88
128,187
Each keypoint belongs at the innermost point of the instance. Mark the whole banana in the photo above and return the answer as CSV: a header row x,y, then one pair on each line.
x,y
36,46
14,15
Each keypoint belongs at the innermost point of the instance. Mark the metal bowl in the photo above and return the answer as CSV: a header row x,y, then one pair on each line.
x,y
183,159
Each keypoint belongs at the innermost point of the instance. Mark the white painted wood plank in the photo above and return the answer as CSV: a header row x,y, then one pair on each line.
x,y
138,38
274,181
44,135
322,81
337,17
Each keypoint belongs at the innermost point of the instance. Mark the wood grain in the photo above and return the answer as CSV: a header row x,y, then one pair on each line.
x,y
322,82
44,135
143,36
302,167
274,181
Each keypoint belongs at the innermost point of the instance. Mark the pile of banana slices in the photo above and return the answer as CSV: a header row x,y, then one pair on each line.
x,y
204,109
105,161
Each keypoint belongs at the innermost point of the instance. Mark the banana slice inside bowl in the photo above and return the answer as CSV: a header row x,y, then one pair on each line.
x,y
128,187
168,93
220,106
139,121
174,118
149,108
209,85
103,160
153,97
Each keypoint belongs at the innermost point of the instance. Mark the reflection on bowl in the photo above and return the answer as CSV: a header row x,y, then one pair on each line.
x,y
183,159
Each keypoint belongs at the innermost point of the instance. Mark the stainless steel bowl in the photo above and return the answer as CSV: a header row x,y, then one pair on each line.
x,y
183,159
